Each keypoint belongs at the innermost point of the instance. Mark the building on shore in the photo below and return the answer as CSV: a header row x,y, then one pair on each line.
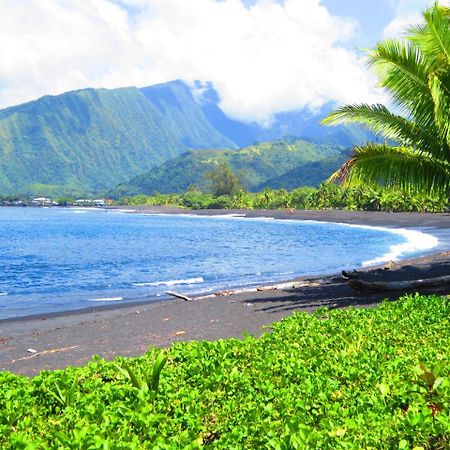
x,y
99,202
43,201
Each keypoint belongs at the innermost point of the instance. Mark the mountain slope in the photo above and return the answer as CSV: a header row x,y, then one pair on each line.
x,y
91,139
257,165
184,117
308,174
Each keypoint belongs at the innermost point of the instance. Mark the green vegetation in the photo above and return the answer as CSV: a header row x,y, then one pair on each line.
x,y
89,140
223,180
343,379
328,196
416,73
285,163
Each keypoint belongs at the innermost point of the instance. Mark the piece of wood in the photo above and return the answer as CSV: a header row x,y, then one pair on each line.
x,y
265,288
353,275
291,285
183,297
46,352
361,285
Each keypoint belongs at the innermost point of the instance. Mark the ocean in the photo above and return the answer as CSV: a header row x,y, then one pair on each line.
x,y
59,259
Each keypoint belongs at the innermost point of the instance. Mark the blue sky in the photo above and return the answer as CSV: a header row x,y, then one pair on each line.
x,y
262,56
372,15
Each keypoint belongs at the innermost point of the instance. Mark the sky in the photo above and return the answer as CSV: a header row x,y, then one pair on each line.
x,y
262,56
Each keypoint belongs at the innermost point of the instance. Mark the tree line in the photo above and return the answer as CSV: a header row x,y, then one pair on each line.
x,y
327,196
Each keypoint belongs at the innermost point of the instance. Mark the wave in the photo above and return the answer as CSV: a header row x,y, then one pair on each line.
x,y
416,242
106,299
76,211
172,282
2,294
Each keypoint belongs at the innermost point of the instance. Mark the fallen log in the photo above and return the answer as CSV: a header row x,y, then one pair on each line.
x,y
291,285
183,297
361,285
353,275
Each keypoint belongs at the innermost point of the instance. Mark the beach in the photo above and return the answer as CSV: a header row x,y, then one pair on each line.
x,y
54,341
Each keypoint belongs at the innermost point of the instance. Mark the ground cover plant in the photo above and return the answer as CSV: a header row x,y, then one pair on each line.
x,y
341,379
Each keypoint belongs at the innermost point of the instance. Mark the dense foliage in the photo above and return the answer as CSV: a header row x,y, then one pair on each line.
x,y
287,163
328,196
415,72
343,379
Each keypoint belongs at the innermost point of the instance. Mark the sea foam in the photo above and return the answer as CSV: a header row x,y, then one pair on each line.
x,y
106,299
172,282
416,242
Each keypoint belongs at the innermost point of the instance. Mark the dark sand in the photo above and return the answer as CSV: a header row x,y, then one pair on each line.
x,y
128,330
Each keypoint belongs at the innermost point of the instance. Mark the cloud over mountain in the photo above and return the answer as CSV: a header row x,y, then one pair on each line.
x,y
264,58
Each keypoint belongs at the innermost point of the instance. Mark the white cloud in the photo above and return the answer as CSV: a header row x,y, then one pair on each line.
x,y
407,13
267,58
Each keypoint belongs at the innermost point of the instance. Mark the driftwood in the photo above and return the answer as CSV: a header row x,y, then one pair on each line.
x,y
353,275
356,275
361,285
44,352
183,297
291,285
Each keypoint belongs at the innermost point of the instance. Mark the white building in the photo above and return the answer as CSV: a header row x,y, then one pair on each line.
x,y
42,201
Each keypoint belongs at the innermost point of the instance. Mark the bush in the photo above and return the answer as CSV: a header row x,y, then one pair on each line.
x,y
357,378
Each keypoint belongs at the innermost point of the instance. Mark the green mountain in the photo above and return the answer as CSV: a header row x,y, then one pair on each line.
x,y
258,166
91,139
308,174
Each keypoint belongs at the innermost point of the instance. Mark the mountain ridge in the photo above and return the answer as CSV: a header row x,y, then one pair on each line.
x,y
258,166
89,140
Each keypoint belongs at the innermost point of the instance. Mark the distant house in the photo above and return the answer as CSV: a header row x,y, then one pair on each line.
x,y
100,202
42,201
83,202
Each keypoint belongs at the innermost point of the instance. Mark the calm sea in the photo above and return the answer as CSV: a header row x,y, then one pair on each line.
x,y
59,259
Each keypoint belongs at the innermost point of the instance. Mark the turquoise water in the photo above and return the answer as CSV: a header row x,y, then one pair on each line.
x,y
59,259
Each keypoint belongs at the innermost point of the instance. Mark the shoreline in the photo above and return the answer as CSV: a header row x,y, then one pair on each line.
x,y
341,217
128,329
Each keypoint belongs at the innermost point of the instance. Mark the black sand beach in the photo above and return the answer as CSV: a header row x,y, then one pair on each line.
x,y
128,330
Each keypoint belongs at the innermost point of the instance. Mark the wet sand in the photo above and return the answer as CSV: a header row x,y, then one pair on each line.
x,y
72,338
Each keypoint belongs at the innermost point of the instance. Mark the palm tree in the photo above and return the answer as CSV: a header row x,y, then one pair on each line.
x,y
416,74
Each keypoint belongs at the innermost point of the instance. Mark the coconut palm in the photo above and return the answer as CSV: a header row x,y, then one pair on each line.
x,y
416,73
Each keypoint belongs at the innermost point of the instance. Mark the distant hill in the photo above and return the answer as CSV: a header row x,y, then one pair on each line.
x,y
274,164
307,174
90,140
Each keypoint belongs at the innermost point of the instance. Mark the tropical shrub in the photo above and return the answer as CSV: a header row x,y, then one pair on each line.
x,y
342,379
328,196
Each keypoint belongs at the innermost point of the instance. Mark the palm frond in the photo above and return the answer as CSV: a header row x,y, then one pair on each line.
x,y
381,121
441,96
434,42
416,73
401,167
403,71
